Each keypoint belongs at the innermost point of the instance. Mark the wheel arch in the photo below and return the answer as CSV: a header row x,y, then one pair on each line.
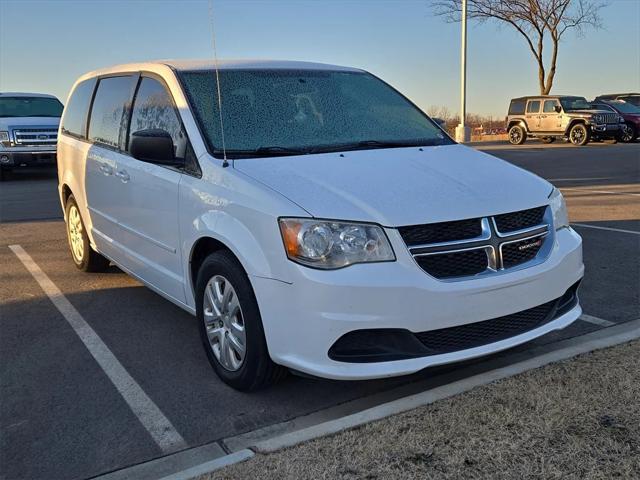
x,y
573,123
519,122
201,249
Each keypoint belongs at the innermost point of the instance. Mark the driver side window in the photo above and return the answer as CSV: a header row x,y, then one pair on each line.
x,y
153,108
550,106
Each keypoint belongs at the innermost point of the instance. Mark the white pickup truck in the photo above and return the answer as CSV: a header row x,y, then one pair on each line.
x,y
28,129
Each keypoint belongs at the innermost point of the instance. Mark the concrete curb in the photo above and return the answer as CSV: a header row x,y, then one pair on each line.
x,y
616,335
212,466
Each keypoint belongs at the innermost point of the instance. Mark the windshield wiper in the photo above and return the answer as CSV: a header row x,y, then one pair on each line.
x,y
365,144
272,151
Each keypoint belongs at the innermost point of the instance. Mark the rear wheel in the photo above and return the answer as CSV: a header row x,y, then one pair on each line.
x,y
230,325
548,139
629,133
84,257
579,135
517,135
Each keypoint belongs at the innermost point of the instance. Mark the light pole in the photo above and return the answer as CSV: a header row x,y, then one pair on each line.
x,y
463,133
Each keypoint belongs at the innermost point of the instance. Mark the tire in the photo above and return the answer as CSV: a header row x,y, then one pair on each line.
x,y
548,139
84,257
4,174
579,135
517,135
629,134
222,277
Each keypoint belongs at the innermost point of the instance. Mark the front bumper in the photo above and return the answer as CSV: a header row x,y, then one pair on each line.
x,y
27,158
610,130
303,319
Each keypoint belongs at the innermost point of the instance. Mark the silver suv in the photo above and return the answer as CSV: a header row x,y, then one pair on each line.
x,y
566,117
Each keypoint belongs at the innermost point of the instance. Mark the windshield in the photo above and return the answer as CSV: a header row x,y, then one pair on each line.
x,y
284,112
30,107
625,107
574,103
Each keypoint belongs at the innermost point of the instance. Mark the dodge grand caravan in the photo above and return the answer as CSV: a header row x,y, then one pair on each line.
x,y
311,218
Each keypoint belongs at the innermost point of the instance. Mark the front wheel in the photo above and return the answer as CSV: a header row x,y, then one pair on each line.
x,y
629,133
579,135
517,135
230,325
84,257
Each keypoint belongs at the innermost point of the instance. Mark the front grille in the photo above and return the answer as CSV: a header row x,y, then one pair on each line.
x,y
609,117
457,264
472,335
441,232
510,222
35,136
466,248
517,253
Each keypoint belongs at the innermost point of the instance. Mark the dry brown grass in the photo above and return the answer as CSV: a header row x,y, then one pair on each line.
x,y
575,419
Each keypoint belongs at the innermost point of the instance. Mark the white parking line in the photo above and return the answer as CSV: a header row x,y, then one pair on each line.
x,y
619,230
596,320
159,427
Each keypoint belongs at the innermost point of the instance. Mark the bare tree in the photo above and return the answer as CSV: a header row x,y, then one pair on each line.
x,y
538,21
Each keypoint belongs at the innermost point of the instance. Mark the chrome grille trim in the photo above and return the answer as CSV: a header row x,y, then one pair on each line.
x,y
34,136
492,241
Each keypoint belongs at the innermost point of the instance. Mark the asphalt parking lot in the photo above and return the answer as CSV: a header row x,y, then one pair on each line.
x,y
62,417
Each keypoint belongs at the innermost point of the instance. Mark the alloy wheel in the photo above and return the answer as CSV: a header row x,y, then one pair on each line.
x,y
627,134
75,229
577,136
515,135
224,323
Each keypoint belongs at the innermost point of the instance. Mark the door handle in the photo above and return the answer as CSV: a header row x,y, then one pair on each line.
x,y
122,175
106,169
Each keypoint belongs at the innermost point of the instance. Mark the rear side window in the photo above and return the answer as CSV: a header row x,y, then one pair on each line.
x,y
533,106
154,109
110,111
516,107
74,120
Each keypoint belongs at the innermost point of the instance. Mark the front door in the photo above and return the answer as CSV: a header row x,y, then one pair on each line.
x,y
149,214
550,119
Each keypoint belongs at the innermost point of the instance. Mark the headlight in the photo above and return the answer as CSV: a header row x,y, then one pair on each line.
x,y
621,119
4,136
330,244
597,118
559,210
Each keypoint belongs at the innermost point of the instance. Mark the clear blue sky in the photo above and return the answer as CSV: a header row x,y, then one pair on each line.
x,y
46,45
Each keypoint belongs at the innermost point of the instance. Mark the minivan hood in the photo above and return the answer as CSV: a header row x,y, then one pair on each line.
x,y
400,186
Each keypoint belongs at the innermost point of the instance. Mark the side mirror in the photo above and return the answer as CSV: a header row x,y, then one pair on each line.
x,y
153,146
558,109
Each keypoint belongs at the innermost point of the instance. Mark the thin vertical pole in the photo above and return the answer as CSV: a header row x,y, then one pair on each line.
x,y
463,67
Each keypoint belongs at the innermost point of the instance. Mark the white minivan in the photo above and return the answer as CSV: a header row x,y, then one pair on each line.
x,y
311,217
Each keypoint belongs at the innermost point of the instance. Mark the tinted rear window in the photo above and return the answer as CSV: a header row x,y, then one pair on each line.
x,y
109,114
517,107
74,121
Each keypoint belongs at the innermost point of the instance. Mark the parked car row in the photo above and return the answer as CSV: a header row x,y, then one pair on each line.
x,y
574,119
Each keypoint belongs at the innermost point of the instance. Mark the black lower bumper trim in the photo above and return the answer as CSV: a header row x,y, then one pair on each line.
x,y
387,344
